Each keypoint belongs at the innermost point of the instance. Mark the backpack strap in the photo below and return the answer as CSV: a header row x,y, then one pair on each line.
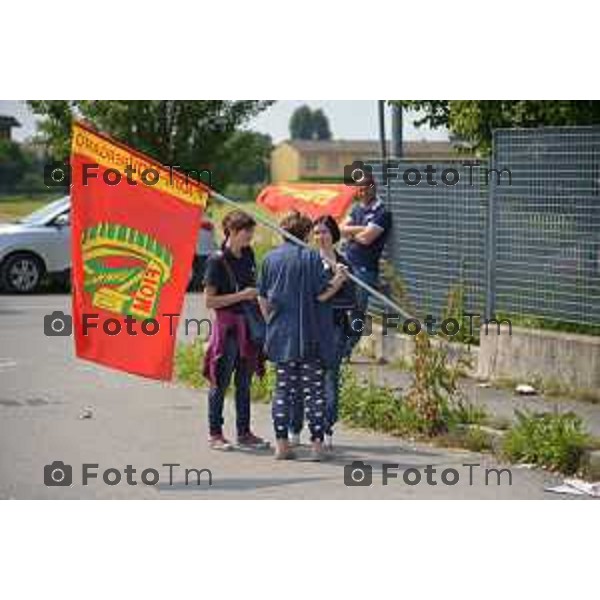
x,y
229,270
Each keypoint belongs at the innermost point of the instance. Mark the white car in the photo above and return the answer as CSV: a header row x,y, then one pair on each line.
x,y
39,245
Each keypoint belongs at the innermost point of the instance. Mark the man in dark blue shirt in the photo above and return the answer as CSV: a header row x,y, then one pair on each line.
x,y
366,230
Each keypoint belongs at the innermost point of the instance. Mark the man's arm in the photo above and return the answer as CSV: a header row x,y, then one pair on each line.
x,y
349,228
379,225
368,234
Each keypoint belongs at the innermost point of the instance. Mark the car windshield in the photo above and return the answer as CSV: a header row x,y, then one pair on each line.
x,y
41,216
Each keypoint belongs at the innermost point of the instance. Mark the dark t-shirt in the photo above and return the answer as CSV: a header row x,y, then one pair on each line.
x,y
242,268
360,255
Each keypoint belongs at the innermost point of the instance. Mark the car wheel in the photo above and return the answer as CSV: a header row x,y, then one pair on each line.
x,y
22,273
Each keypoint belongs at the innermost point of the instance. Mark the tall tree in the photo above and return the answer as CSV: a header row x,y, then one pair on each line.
x,y
475,120
189,133
13,165
306,124
321,129
244,158
301,123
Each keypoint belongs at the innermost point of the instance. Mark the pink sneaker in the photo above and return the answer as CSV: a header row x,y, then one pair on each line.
x,y
218,442
251,441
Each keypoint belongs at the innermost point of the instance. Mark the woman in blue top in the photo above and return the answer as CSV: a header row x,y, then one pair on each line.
x,y
326,235
294,290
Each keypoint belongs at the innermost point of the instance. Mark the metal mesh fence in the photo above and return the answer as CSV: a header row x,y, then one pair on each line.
x,y
524,245
547,225
437,245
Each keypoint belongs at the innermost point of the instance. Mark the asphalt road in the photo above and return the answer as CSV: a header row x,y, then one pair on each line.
x,y
45,391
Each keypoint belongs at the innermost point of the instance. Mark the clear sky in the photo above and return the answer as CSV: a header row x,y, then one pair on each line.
x,y
348,119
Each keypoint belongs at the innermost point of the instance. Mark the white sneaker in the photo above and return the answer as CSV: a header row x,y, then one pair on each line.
x,y
328,443
295,439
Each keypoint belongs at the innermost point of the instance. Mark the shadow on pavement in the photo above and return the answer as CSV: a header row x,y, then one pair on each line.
x,y
369,450
236,484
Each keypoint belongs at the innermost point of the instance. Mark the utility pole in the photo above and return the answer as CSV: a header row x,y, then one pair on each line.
x,y
397,131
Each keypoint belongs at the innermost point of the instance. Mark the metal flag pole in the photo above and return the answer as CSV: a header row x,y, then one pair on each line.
x,y
274,227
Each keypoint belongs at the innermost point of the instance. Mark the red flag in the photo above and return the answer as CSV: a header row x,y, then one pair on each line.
x,y
312,199
132,245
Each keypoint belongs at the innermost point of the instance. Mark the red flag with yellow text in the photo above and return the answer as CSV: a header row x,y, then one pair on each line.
x,y
312,199
132,246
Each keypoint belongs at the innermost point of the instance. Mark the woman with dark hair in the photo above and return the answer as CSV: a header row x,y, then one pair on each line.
x,y
326,235
293,294
230,289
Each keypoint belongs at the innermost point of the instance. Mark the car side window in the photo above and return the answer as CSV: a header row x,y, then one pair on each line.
x,y
63,220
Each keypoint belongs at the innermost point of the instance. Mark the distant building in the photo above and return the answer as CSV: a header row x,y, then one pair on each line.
x,y
6,125
294,160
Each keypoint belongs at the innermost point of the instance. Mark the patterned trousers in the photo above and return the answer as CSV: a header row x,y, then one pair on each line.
x,y
302,382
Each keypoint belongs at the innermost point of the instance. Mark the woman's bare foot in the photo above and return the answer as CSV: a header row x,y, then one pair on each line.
x,y
317,452
283,450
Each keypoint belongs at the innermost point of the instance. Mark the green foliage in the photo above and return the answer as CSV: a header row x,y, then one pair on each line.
x,y
306,124
189,358
455,309
263,387
369,405
434,390
477,440
465,413
13,165
474,120
15,207
533,322
244,159
321,125
378,407
242,192
189,133
301,125
552,440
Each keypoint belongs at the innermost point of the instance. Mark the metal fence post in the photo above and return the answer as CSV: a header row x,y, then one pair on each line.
x,y
490,237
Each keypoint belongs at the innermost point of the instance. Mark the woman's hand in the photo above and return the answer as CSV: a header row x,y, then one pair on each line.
x,y
340,276
248,293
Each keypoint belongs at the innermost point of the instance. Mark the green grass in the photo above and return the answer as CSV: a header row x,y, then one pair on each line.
x,y
555,441
14,207
189,359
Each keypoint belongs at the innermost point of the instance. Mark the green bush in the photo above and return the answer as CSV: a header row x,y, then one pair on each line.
x,y
552,440
435,394
263,387
189,358
433,404
462,412
477,440
367,404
